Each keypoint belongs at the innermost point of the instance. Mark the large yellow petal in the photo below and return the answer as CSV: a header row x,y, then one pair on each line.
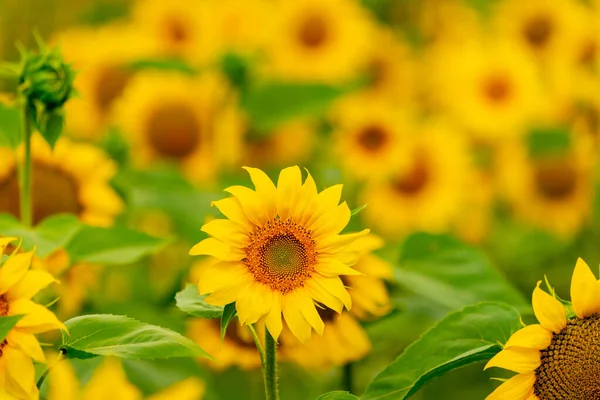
x,y
213,277
517,359
110,382
218,249
548,311
326,202
265,188
334,244
532,337
27,343
294,319
584,291
273,318
518,387
14,270
252,204
331,267
227,232
36,318
33,281
63,383
335,287
321,295
306,305
288,191
253,303
307,201
187,389
232,209
4,241
332,223
20,374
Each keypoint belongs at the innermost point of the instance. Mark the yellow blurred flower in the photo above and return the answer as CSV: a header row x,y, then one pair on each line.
x,y
192,122
476,214
555,359
18,284
101,58
554,192
370,137
110,382
315,40
72,178
279,251
438,22
427,196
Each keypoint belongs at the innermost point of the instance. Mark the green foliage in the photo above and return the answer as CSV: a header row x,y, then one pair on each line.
x,y
229,313
453,274
337,395
167,64
6,324
191,302
116,245
10,126
548,141
50,125
119,336
463,337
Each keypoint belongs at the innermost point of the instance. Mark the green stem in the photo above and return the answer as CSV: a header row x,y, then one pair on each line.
x,y
270,368
347,379
259,346
25,170
44,375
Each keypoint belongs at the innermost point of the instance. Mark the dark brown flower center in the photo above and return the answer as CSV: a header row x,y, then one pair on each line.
x,y
173,131
281,255
313,31
176,31
570,366
377,71
497,89
53,191
555,181
372,138
110,86
588,54
3,306
538,31
415,180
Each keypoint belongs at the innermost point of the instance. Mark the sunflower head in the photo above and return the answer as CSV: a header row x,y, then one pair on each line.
x,y
279,250
559,358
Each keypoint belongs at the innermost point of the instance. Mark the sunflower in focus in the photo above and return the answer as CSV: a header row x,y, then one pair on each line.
x,y
72,178
553,191
18,284
191,122
429,194
557,358
101,58
370,137
314,40
279,251
109,381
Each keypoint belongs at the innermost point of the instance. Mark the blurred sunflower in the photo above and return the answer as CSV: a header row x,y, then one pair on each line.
x,y
243,24
72,178
370,137
477,212
429,194
18,284
110,382
554,192
557,358
191,122
184,29
314,40
436,21
102,58
493,90
279,251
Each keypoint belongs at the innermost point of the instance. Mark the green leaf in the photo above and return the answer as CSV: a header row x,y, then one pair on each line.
x,y
548,141
48,236
51,125
163,65
358,209
463,337
120,336
229,314
453,274
116,245
337,395
10,126
191,302
273,103
6,324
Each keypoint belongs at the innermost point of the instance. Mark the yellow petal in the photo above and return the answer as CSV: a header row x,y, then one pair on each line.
x,y
584,290
253,303
110,382
4,241
220,275
27,343
518,387
321,295
332,267
273,318
294,319
227,232
232,209
334,244
20,374
63,383
187,389
517,359
325,203
33,281
332,223
335,287
532,337
265,188
288,190
36,318
252,204
548,311
14,270
218,249
307,307
306,204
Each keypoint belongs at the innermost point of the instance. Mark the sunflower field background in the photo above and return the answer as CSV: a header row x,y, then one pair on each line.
x,y
466,135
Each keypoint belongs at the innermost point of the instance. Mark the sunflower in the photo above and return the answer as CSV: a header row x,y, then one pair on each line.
x,y
557,358
492,89
101,58
18,284
185,29
190,122
370,137
552,191
110,381
430,193
72,178
317,40
280,250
